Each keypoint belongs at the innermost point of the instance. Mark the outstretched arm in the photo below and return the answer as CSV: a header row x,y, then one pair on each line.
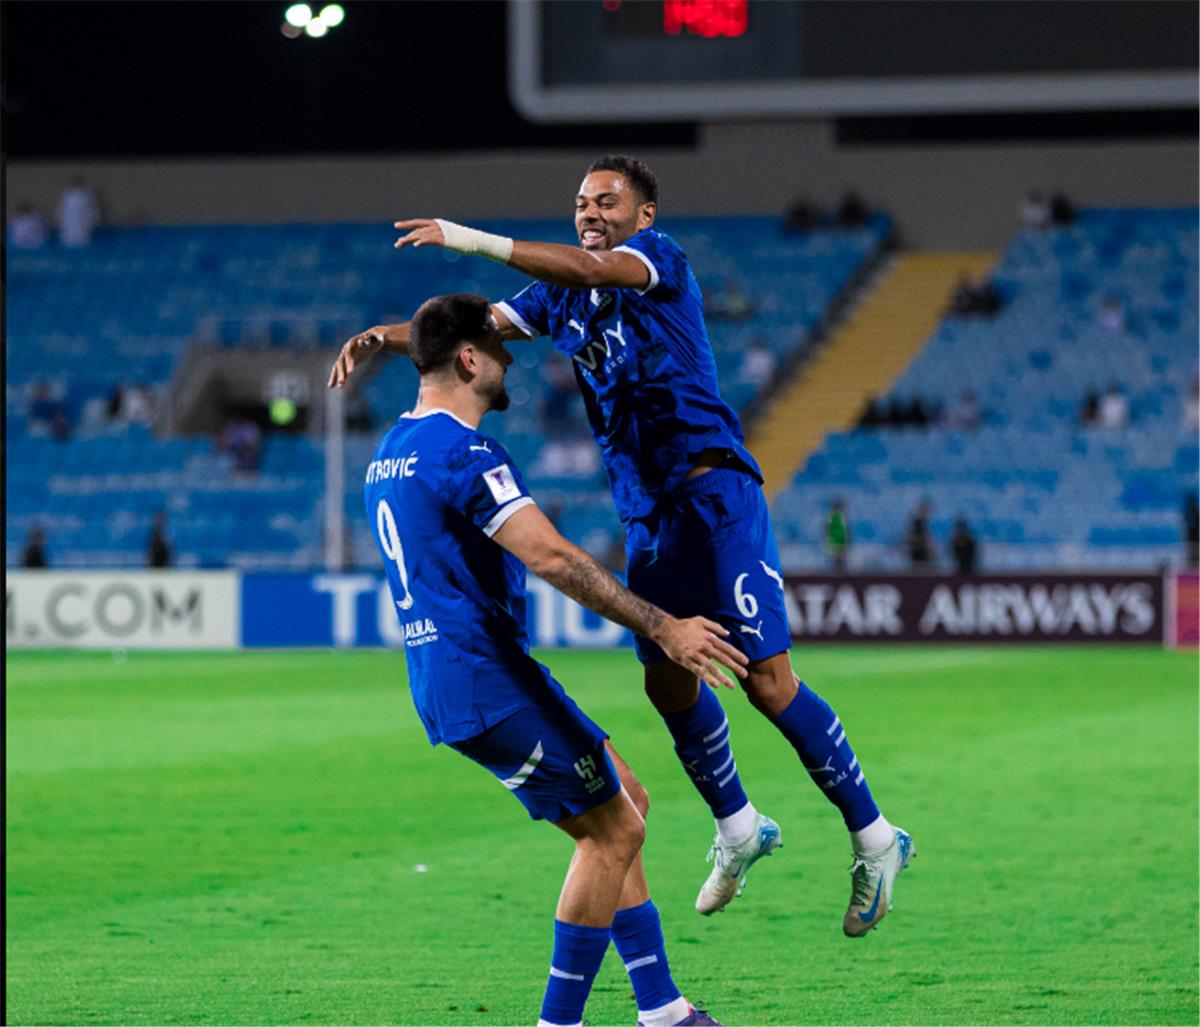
x,y
691,643
546,261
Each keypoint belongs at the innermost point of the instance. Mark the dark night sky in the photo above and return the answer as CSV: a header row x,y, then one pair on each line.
x,y
188,78
167,77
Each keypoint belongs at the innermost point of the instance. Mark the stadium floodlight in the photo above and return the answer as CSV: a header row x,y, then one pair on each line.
x,y
298,15
290,31
316,28
332,15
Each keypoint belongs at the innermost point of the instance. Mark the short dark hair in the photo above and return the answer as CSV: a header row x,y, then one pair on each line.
x,y
444,323
636,173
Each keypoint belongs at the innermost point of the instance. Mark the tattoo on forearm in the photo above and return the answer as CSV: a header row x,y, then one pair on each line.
x,y
585,581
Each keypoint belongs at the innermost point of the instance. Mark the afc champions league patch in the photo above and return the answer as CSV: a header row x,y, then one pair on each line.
x,y
502,484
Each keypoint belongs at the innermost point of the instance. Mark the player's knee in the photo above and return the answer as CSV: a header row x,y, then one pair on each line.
x,y
770,686
639,796
633,835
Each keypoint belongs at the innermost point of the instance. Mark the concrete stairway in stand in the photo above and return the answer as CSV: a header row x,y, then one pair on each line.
x,y
866,353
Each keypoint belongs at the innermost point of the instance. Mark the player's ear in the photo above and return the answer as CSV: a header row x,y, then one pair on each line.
x,y
467,361
646,214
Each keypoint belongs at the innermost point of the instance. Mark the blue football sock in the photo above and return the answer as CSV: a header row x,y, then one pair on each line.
x,y
578,953
637,934
702,744
817,735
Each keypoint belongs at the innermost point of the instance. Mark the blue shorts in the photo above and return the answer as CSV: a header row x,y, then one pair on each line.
x,y
711,553
550,757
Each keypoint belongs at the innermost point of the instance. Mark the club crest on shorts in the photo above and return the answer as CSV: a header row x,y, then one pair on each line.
x,y
585,767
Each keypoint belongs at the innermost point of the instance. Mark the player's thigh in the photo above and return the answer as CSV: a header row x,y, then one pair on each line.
x,y
552,758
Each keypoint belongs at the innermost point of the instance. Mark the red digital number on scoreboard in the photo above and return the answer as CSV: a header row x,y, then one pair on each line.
x,y
707,18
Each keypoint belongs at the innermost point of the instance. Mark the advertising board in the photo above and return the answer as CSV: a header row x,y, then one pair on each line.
x,y
224,609
114,610
986,608
347,610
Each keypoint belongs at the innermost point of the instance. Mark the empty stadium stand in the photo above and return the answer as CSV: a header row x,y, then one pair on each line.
x,y
1039,489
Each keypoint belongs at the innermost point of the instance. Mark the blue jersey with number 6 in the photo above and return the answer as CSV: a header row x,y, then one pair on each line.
x,y
436,492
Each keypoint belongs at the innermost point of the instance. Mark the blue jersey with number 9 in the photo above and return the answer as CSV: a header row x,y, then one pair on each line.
x,y
436,492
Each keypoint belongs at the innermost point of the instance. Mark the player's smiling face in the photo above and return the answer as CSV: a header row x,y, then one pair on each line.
x,y
608,211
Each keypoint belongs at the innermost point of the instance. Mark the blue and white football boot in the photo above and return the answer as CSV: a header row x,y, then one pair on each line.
x,y
874,880
731,862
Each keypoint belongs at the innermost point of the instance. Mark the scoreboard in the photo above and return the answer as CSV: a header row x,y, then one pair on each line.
x,y
671,60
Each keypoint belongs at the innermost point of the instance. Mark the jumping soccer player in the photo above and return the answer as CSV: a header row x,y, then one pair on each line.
x,y
447,502
626,307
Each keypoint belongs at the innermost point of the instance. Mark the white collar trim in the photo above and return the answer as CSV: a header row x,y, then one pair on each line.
x,y
438,410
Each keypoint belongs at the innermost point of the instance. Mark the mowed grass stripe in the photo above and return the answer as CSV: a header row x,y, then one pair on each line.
x,y
161,873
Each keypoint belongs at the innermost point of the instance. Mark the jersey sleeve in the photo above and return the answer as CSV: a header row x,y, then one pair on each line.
x,y
663,258
529,309
483,484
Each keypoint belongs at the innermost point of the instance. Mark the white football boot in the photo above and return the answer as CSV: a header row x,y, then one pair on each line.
x,y
873,876
731,862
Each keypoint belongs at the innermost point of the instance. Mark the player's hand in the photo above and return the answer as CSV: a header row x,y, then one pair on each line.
x,y
696,643
360,347
420,232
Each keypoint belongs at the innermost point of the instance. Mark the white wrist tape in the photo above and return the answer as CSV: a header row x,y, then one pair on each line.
x,y
462,239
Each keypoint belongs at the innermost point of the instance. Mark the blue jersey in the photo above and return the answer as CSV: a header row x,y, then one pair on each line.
x,y
646,370
436,492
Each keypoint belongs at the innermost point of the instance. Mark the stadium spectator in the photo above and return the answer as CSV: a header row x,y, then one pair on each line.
x,y
1112,316
28,229
1114,408
852,213
158,549
917,542
78,213
914,414
874,416
971,298
802,216
837,535
758,364
1062,211
1089,411
964,547
1191,529
242,440
47,415
132,404
1034,210
33,556
964,413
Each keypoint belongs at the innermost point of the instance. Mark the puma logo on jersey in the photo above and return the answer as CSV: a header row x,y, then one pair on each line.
x,y
484,448
747,630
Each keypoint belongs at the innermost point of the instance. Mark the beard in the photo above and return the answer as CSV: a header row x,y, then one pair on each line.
x,y
497,396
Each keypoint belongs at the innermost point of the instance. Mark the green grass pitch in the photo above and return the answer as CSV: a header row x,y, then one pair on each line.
x,y
267,838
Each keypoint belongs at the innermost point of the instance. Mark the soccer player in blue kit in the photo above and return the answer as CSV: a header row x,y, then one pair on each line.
x,y
626,308
456,527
